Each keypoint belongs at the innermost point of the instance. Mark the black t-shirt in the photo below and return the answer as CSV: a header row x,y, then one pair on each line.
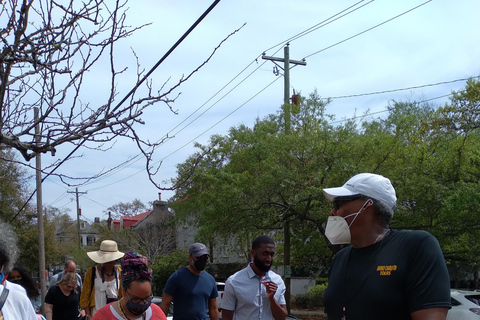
x,y
404,272
64,307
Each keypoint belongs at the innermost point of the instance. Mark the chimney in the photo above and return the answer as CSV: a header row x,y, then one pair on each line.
x,y
97,219
159,196
109,221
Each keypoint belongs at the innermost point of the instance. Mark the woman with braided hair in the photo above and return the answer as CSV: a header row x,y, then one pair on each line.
x,y
136,303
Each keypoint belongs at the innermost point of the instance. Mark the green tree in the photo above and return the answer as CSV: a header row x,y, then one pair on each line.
x,y
254,179
165,266
127,209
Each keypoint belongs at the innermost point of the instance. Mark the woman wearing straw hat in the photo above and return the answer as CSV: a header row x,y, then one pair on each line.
x,y
102,283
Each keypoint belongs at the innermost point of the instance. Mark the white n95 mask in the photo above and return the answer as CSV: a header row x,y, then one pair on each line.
x,y
337,230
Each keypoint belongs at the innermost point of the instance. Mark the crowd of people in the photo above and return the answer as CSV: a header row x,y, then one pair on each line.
x,y
381,274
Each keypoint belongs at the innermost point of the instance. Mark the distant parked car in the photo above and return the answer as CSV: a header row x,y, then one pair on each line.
x,y
220,289
158,302
465,305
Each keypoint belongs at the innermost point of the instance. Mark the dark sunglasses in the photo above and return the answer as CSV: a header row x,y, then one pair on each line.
x,y
339,201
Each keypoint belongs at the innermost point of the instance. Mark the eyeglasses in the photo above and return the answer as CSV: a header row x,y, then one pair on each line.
x,y
339,201
140,300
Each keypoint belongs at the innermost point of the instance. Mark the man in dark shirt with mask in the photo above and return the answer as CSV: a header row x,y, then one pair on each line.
x,y
385,273
192,290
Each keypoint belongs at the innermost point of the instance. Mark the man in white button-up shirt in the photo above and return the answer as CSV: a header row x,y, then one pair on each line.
x,y
255,292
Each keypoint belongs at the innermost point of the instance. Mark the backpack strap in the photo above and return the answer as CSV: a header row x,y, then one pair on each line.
x,y
3,297
93,277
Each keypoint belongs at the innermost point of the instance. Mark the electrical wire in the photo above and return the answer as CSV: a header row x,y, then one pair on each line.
x,y
323,23
183,146
386,110
369,29
303,33
402,89
125,98
299,35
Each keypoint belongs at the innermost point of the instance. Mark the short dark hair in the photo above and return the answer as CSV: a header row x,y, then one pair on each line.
x,y
261,240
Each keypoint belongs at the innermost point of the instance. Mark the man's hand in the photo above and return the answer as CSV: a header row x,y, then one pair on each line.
x,y
271,288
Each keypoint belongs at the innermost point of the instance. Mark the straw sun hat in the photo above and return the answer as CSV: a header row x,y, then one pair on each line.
x,y
108,252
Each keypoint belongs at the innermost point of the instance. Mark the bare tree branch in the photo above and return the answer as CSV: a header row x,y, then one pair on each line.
x,y
47,50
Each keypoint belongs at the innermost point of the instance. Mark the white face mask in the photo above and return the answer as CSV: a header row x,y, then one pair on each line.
x,y
338,230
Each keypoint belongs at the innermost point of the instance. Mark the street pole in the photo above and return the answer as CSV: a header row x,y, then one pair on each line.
x,y
287,113
41,234
78,216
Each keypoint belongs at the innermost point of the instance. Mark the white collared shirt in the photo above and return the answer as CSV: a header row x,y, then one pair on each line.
x,y
247,297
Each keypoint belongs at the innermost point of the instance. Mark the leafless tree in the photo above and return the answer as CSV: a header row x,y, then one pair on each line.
x,y
48,48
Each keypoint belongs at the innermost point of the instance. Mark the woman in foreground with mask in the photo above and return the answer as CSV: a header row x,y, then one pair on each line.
x,y
136,303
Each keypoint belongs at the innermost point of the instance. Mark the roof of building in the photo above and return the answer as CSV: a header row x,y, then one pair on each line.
x,y
128,222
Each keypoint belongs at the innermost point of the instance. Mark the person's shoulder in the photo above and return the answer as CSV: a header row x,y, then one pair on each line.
x,y
180,271
157,313
412,235
104,313
18,296
242,273
275,276
207,275
55,276
14,287
178,274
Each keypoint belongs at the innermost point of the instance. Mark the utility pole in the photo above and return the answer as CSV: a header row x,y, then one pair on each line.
x,y
286,111
78,216
41,234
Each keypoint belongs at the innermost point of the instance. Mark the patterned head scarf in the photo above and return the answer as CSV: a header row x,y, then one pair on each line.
x,y
134,267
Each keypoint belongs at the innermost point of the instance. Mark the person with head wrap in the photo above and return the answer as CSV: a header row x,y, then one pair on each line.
x,y
17,305
102,284
136,303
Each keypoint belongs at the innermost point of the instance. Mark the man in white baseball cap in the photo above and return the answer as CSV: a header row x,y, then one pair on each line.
x,y
386,273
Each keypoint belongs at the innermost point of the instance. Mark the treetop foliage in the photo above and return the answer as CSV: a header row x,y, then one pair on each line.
x,y
252,180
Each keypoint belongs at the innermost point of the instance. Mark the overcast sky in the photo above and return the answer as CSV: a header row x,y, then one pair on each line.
x,y
382,46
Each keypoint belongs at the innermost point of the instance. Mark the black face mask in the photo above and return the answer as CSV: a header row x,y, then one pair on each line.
x,y
260,265
200,263
137,308
18,281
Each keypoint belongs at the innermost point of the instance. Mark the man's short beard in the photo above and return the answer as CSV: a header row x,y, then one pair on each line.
x,y
260,265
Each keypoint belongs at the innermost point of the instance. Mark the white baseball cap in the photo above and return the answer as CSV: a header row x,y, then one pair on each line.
x,y
369,184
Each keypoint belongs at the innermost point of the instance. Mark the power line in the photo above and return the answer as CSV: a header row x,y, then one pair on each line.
x,y
201,134
324,23
126,97
369,29
305,32
386,110
297,36
243,104
402,89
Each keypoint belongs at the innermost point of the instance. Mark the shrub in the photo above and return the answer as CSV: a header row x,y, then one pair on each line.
x,y
312,299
